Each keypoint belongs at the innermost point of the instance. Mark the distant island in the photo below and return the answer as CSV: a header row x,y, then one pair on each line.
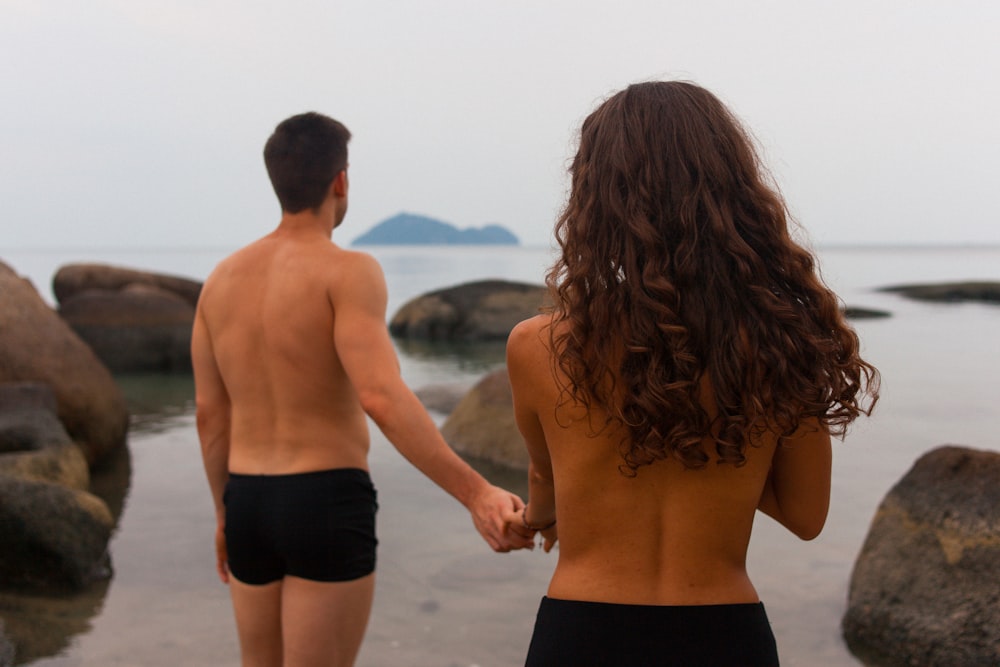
x,y
409,229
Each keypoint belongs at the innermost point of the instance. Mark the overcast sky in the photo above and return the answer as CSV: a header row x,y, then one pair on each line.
x,y
141,122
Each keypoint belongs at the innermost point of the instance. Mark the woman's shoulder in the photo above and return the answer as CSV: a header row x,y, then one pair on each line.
x,y
531,332
529,339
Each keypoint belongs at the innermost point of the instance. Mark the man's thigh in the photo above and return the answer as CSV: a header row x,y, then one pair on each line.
x,y
258,622
323,623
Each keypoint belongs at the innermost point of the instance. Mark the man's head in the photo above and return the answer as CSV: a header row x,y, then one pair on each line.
x,y
303,157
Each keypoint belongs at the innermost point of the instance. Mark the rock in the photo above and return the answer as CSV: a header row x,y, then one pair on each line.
x,y
36,345
982,291
54,536
485,310
926,586
482,424
442,397
72,279
7,652
33,442
139,328
857,313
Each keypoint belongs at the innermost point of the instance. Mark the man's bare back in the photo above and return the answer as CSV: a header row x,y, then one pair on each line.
x,y
271,309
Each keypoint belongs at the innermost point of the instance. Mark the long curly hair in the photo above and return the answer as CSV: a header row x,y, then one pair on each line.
x,y
678,276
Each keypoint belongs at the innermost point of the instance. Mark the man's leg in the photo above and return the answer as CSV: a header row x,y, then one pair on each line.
x,y
258,622
324,622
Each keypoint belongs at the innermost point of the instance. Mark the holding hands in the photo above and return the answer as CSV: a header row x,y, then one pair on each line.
x,y
518,523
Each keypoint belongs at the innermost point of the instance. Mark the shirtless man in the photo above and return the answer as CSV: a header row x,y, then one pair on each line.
x,y
291,352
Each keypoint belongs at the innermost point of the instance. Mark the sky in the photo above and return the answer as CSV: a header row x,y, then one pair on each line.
x,y
140,123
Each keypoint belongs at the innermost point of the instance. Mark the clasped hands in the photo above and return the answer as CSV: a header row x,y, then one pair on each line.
x,y
516,523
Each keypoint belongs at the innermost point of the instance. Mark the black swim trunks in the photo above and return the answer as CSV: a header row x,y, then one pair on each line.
x,y
591,634
315,525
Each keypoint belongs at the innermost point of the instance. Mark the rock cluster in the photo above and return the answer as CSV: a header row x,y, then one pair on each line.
x,y
926,586
135,321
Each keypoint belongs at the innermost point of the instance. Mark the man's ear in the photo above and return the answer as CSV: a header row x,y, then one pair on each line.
x,y
339,184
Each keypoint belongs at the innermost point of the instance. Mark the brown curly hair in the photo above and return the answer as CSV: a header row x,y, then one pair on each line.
x,y
677,273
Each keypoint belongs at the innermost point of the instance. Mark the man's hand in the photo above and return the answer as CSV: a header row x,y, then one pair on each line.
x,y
221,555
489,510
516,524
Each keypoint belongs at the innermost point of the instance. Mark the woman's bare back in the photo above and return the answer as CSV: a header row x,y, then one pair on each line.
x,y
667,535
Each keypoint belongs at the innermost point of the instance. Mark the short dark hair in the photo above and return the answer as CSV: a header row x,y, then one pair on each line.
x,y
303,156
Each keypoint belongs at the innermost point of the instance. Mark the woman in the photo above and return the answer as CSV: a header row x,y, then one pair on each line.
x,y
691,372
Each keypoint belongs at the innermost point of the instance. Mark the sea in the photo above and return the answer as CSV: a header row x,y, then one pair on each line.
x,y
443,599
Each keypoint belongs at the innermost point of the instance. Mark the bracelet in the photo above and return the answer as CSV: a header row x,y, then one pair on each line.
x,y
524,522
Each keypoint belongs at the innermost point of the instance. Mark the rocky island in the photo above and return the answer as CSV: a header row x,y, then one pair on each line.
x,y
410,229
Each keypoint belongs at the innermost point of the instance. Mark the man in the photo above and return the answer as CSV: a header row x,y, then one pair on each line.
x,y
290,352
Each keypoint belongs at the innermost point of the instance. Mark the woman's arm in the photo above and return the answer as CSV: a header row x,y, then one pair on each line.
x,y
527,356
797,491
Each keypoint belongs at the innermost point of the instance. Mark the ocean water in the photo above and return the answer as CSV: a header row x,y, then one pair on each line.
x,y
444,599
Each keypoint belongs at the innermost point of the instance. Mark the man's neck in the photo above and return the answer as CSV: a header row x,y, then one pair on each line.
x,y
308,222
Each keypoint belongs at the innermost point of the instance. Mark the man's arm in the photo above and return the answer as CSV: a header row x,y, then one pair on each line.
x,y
366,352
213,421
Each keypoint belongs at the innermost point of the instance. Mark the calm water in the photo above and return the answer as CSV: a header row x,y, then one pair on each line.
x,y
443,599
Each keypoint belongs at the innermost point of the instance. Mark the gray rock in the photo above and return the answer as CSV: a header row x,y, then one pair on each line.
x,y
72,279
982,291
54,536
478,311
139,328
482,424
36,345
926,586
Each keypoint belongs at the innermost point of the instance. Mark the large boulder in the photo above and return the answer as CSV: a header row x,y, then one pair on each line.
x,y
482,424
478,311
72,279
54,536
926,586
36,345
140,328
135,321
